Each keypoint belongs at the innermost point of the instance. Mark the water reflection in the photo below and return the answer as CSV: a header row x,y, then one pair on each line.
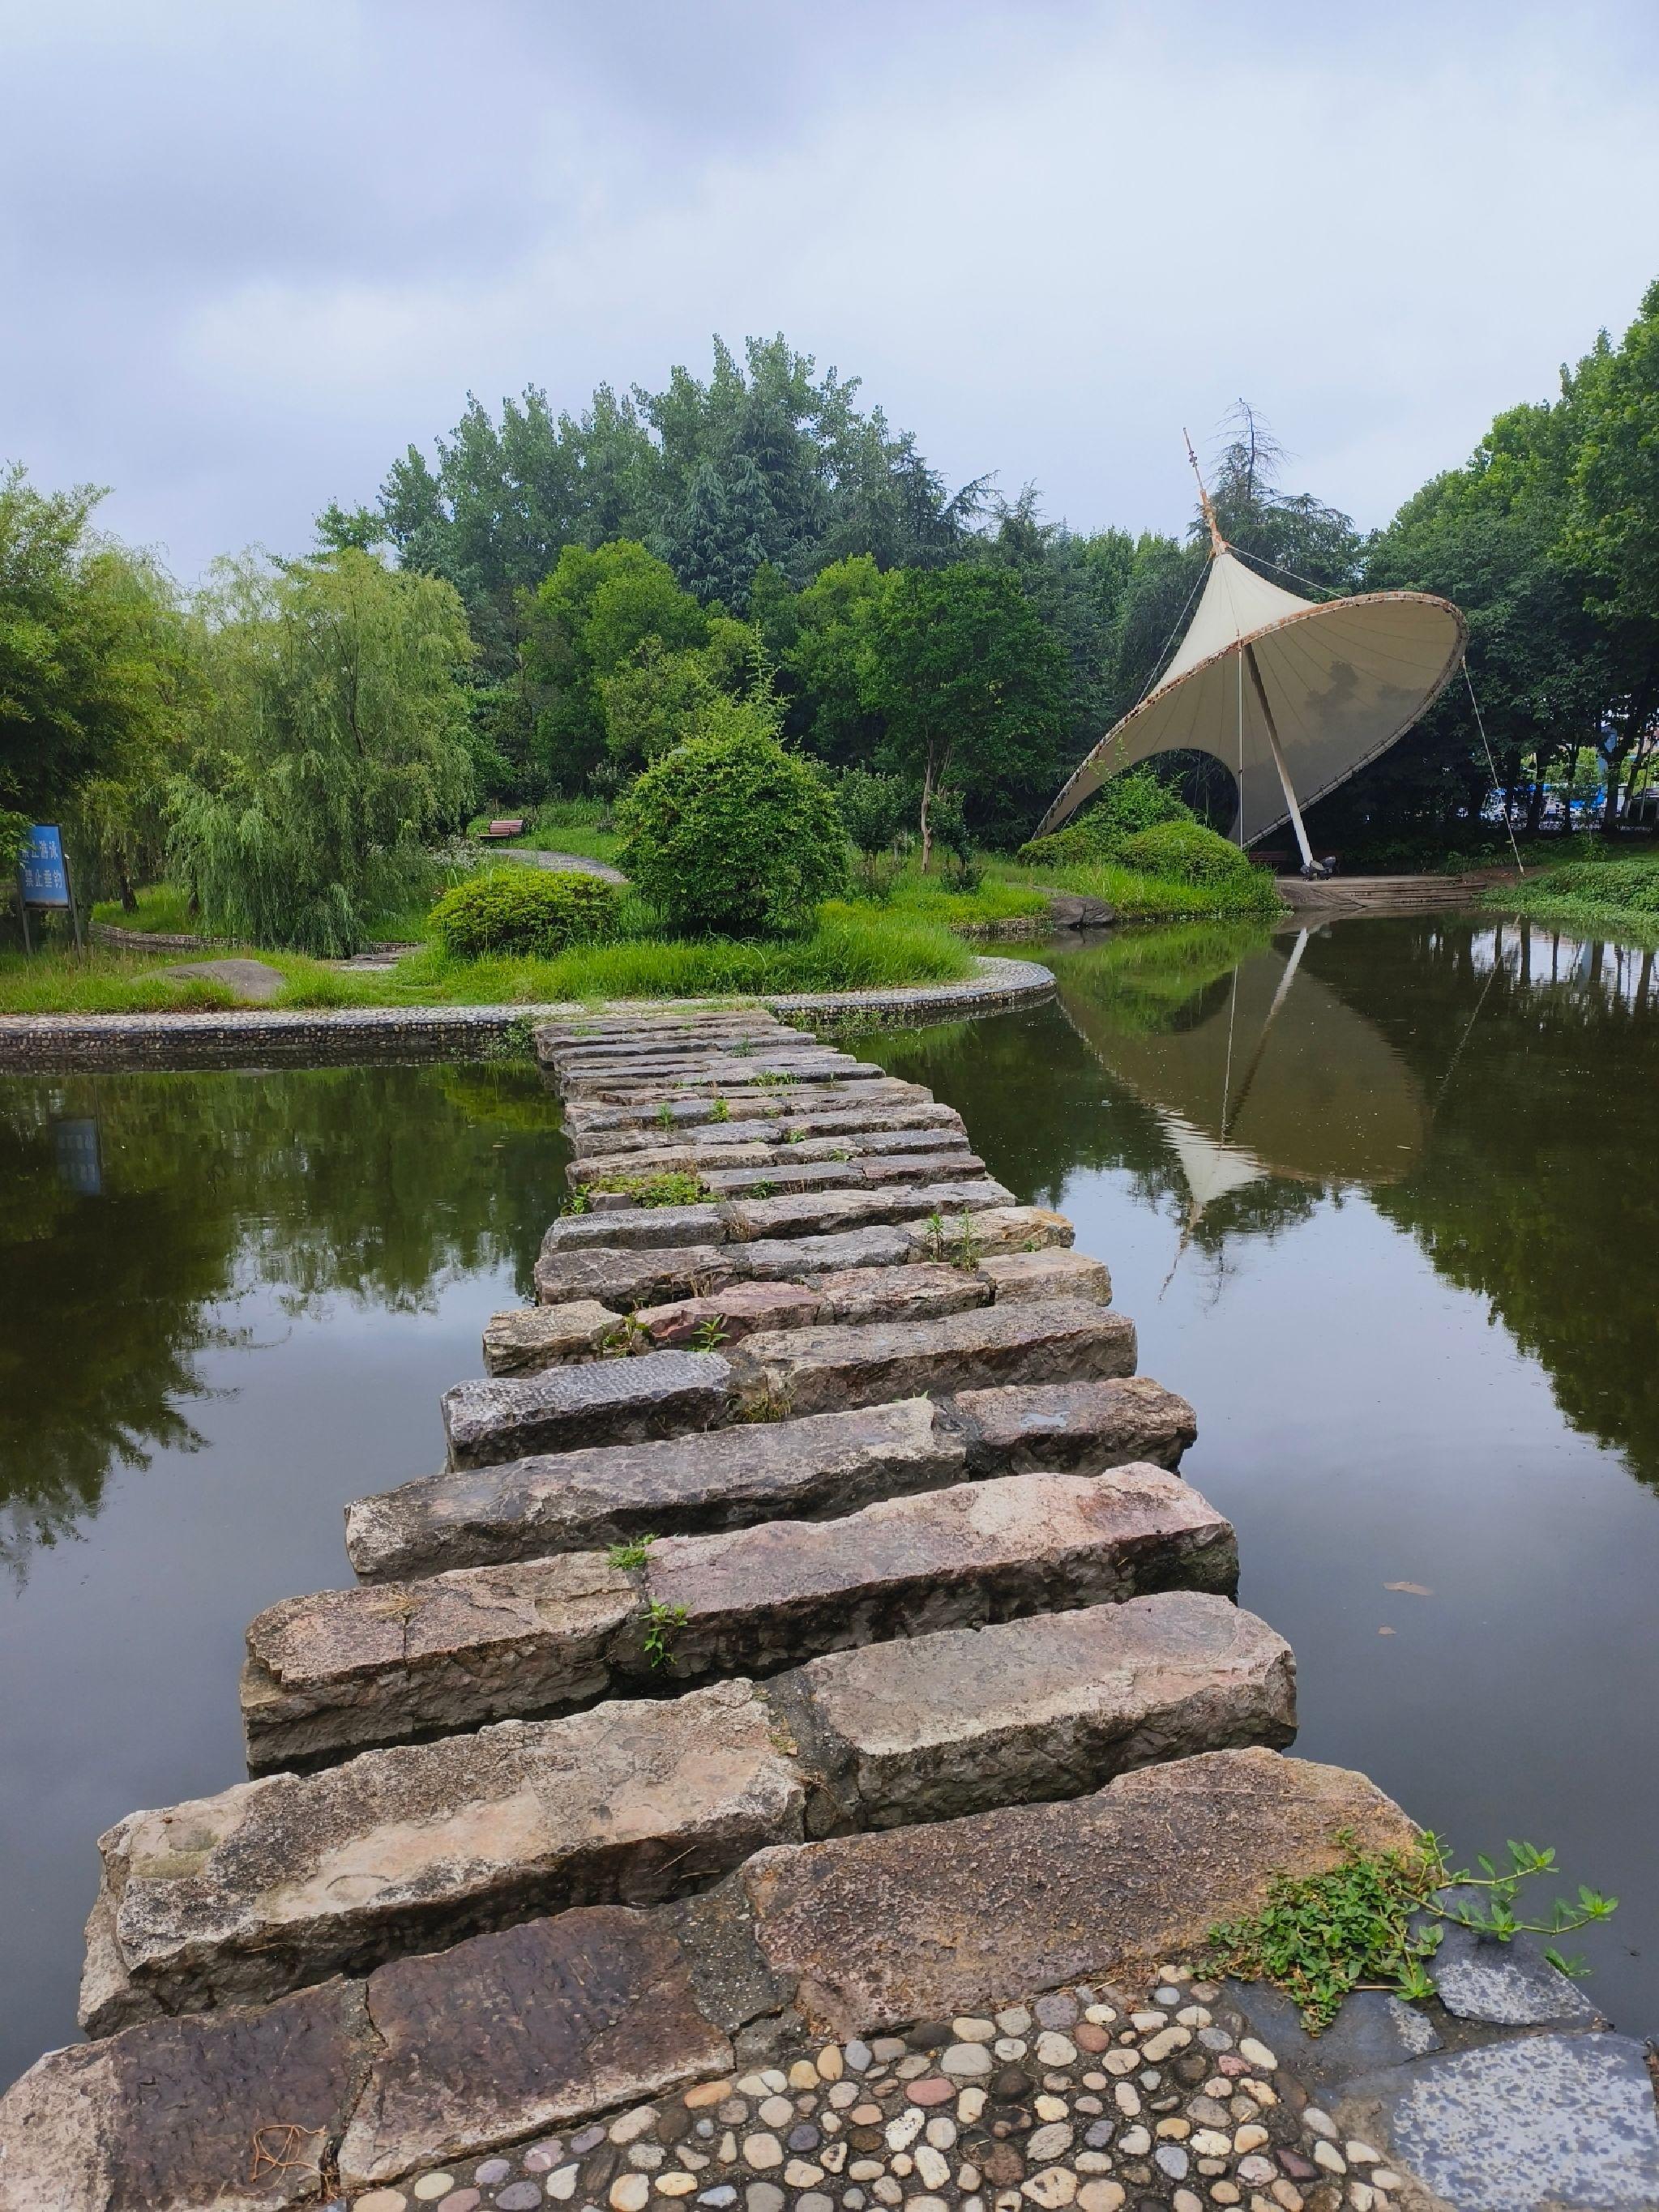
x,y
138,1213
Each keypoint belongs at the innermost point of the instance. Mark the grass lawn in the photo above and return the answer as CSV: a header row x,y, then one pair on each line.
x,y
1614,896
1135,897
560,825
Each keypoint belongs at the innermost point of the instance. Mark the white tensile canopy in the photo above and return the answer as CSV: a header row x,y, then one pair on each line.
x,y
1292,695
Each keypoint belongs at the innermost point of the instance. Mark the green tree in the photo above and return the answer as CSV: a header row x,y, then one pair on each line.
x,y
1613,529
971,687
336,741
93,664
827,663
590,620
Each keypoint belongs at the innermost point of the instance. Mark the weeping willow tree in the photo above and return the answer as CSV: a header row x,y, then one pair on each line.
x,y
336,747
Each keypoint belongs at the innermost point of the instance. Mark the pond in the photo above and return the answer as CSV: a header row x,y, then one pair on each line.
x,y
1379,1198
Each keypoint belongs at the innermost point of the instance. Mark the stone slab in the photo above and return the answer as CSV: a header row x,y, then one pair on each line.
x,y
584,1119
809,1371
924,1924
924,1291
524,1340
822,1212
1371,2033
733,1143
525,2030
1532,2124
641,1228
1046,1707
763,1598
606,1401
1056,1273
629,1278
1074,1428
281,1883
342,1670
826,1463
330,1674
241,2112
759,1074
1508,1984
874,1170
735,1312
709,1140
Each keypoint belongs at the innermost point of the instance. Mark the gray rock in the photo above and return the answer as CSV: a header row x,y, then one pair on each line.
x,y
343,1670
1526,2125
811,1369
737,1310
523,2030
1053,1274
585,1120
874,1171
641,1228
165,2118
277,1883
249,979
607,1401
922,1292
762,1598
525,1340
923,1923
824,1464
1075,1427
1049,1707
822,1212
629,1278
1510,1985
1371,2032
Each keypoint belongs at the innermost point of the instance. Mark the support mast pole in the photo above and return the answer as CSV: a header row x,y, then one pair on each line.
x,y
1278,757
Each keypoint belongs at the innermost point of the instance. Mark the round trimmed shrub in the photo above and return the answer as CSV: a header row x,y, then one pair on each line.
x,y
525,910
1185,851
730,835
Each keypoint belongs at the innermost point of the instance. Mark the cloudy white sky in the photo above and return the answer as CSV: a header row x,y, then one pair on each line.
x,y
249,249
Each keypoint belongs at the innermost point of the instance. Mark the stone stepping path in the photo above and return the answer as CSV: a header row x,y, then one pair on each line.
x,y
819,1466
279,1883
755,1770
329,1674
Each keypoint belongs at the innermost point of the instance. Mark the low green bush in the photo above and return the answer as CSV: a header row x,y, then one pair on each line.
x,y
1631,883
1125,805
730,834
524,909
1185,851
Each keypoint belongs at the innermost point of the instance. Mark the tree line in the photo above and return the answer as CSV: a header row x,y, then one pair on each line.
x,y
551,600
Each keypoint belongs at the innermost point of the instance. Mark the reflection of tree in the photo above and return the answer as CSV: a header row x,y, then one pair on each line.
x,y
1534,1190
379,1184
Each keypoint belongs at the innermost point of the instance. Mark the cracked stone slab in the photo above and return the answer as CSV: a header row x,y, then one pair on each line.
x,y
524,2030
524,1340
175,2114
281,1883
1046,1707
330,1674
1074,1428
925,1924
583,1119
816,1368
604,1401
823,1463
1532,2124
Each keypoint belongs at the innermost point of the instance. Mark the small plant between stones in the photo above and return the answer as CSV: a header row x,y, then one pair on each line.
x,y
720,1111
709,1335
629,1338
663,1622
632,1554
672,1186
1375,1920
961,1249
665,1114
769,1404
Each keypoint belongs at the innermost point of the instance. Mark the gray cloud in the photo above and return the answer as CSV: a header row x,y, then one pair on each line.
x,y
250,250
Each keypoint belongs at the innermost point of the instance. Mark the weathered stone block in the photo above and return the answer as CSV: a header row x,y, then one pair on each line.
x,y
341,1670
761,1074
1052,1706
922,1923
583,1118
524,2030
827,1211
524,1340
1056,1273
626,1279
875,1170
241,2112
734,1312
641,1228
811,1369
827,1463
921,1292
993,1229
762,1598
276,1884
608,1401
1074,1428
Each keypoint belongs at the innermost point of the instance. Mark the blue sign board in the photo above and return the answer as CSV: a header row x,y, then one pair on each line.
x,y
42,870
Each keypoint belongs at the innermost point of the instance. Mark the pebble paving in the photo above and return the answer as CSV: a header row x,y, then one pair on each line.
x,y
1077,2099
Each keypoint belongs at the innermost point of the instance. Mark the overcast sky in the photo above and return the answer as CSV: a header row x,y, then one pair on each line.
x,y
249,249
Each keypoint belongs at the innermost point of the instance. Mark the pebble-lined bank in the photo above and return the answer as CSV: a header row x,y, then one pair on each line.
x,y
1077,2097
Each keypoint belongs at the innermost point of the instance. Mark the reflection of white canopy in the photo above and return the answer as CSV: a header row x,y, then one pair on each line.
x,y
1284,691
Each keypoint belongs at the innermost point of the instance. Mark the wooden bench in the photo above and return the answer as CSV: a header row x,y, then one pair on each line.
x,y
503,829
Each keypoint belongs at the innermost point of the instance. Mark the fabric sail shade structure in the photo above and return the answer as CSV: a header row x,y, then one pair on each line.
x,y
1292,695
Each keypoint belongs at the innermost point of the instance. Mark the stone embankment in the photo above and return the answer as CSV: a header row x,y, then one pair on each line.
x,y
774,1761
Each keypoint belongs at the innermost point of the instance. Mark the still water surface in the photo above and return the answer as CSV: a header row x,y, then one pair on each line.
x,y
1381,1200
